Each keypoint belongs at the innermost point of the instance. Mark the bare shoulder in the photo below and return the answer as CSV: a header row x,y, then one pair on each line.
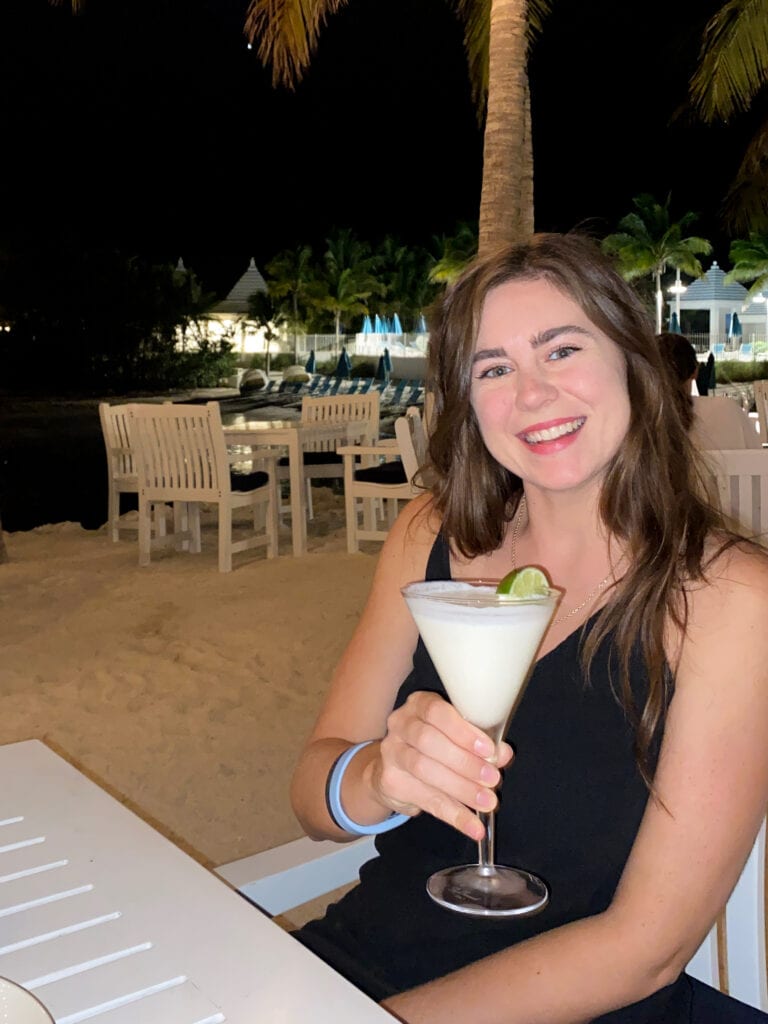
x,y
735,585
410,541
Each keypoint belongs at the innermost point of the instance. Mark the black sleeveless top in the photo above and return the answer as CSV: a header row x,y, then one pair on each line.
x,y
570,807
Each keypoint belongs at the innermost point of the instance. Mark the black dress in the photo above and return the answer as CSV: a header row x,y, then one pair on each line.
x,y
570,807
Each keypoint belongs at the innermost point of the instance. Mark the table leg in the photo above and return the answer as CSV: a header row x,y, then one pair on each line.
x,y
298,503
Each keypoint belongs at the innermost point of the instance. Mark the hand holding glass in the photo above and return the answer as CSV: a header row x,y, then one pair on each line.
x,y
483,645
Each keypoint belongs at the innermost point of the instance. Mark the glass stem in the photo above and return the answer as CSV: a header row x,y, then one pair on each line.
x,y
486,846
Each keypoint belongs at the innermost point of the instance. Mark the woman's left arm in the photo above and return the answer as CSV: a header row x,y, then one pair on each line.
x,y
711,790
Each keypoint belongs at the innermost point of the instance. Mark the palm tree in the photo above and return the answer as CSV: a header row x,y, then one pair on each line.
x,y
349,279
403,271
749,258
732,71
455,253
291,275
496,39
648,242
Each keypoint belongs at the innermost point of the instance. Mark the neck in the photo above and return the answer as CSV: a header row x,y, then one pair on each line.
x,y
566,538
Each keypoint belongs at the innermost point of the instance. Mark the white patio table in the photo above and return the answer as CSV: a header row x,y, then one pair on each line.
x,y
105,920
292,435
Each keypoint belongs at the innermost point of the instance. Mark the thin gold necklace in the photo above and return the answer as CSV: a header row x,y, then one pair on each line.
x,y
522,507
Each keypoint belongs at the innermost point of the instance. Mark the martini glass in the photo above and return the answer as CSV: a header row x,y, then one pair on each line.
x,y
483,645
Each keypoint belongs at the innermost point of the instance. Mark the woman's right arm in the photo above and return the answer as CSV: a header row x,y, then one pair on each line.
x,y
426,756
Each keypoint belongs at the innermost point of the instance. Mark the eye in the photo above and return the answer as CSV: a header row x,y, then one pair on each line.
x,y
562,352
493,371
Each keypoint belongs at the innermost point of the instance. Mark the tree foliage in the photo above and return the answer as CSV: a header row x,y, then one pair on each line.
x,y
749,259
731,79
649,241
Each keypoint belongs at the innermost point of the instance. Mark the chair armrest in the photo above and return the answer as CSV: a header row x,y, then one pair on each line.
x,y
369,449
289,875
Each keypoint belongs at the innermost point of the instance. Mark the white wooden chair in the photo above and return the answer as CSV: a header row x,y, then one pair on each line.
x,y
181,457
741,477
741,930
360,413
383,477
121,472
285,877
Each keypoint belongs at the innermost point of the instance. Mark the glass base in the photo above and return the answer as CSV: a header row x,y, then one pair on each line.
x,y
493,891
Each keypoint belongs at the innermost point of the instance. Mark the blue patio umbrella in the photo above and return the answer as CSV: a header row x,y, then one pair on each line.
x,y
421,324
387,362
378,325
344,365
381,371
396,328
674,324
311,364
735,327
367,325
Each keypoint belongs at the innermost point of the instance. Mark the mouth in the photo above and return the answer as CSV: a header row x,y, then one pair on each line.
x,y
554,432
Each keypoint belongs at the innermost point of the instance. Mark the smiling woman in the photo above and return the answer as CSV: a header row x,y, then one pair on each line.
x,y
549,389
557,444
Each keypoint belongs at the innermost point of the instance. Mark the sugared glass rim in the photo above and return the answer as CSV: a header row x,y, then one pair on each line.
x,y
473,598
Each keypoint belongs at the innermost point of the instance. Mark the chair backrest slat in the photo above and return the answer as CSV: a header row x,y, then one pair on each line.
x,y
741,475
180,449
342,409
115,430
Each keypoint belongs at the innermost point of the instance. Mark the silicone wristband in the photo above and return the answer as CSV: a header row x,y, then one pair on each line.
x,y
333,799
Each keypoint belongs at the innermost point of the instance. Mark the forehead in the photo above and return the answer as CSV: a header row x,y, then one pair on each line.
x,y
527,307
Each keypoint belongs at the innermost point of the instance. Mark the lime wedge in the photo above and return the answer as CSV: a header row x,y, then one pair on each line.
x,y
526,581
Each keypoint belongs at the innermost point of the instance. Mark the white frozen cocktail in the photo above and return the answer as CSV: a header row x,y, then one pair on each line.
x,y
483,645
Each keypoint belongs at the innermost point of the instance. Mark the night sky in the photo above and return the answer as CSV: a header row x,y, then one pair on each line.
x,y
148,125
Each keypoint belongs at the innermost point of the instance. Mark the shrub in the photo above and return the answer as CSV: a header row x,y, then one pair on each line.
x,y
731,371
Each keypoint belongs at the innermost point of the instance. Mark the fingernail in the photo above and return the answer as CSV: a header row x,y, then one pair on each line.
x,y
484,748
489,774
485,800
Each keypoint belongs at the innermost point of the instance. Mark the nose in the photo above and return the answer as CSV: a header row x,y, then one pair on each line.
x,y
533,388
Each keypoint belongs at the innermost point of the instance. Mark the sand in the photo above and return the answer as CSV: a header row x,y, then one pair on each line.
x,y
185,692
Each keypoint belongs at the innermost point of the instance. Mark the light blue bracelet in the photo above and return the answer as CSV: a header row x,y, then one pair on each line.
x,y
333,799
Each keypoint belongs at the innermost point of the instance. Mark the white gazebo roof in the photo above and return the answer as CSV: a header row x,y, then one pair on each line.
x,y
710,288
236,302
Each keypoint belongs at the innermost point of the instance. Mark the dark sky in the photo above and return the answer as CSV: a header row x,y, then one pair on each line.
x,y
148,125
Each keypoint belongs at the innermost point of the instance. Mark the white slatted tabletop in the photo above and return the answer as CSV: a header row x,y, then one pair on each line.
x,y
105,920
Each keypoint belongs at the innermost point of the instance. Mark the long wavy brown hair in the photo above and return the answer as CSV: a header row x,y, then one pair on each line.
x,y
653,494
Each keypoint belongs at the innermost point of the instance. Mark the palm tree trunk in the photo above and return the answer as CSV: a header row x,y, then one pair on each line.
x,y
506,204
526,173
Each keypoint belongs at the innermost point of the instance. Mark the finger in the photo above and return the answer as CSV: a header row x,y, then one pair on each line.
x,y
443,806
422,738
444,716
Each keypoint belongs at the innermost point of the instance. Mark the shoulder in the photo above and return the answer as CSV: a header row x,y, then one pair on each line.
x,y
409,542
727,611
736,581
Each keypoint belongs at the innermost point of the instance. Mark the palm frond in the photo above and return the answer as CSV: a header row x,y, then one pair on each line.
x,y
733,62
286,33
78,6
745,207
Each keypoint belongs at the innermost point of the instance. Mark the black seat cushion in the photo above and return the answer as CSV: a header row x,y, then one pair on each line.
x,y
315,459
387,473
248,481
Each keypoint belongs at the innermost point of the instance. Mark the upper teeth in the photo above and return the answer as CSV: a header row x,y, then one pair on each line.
x,y
552,433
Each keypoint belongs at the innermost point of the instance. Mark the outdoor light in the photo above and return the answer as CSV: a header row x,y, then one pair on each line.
x,y
677,290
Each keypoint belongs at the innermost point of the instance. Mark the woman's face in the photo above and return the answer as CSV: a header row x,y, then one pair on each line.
x,y
549,389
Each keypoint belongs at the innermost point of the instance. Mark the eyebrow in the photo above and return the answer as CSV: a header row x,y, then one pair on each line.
x,y
542,338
